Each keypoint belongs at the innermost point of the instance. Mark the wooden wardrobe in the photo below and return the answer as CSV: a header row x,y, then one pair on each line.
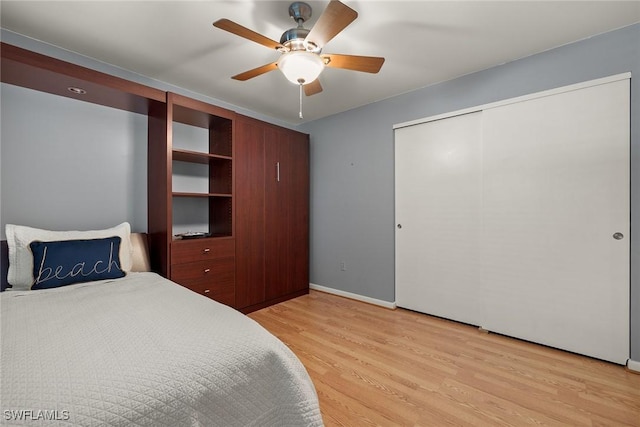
x,y
272,214
257,215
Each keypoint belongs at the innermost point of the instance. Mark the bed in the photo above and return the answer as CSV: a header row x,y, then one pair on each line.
x,y
142,350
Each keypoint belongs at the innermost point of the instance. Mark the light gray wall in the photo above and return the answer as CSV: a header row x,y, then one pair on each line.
x,y
352,165
68,165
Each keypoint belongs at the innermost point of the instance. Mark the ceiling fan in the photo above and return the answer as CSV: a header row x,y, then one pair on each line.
x,y
302,61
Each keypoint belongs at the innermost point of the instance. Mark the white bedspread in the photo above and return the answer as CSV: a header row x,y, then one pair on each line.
x,y
144,351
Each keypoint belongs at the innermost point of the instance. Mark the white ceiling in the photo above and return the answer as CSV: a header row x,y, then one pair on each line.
x,y
424,42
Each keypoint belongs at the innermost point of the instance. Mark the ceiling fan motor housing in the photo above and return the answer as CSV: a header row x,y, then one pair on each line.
x,y
294,38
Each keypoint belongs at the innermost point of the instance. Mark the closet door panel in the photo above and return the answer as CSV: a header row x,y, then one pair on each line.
x,y
286,212
277,213
555,190
299,212
250,219
438,176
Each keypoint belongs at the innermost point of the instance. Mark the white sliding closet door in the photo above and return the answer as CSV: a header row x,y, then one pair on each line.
x,y
556,190
516,218
438,201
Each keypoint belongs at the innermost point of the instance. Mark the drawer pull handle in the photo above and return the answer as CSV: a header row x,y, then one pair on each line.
x,y
206,250
206,270
206,291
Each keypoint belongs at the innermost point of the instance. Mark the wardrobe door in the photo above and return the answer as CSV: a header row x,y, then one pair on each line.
x,y
286,212
250,206
277,213
299,212
438,186
556,220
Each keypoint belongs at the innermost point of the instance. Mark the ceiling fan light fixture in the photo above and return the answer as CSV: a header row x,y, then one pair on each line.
x,y
301,67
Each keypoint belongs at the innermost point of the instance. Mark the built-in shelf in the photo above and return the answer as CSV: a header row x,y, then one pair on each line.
x,y
177,240
184,194
196,156
191,176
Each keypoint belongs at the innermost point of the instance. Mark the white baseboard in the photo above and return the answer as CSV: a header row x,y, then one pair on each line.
x,y
381,303
634,366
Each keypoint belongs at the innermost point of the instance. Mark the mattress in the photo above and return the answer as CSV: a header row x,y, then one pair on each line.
x,y
145,351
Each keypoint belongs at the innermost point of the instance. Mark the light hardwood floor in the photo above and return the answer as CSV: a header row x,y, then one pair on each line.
x,y
375,366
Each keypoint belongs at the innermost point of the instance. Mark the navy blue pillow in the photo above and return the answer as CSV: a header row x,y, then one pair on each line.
x,y
73,261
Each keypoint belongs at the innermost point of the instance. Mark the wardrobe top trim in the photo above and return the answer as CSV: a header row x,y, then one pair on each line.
x,y
569,88
39,72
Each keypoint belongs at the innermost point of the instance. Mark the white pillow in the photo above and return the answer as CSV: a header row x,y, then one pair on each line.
x,y
20,274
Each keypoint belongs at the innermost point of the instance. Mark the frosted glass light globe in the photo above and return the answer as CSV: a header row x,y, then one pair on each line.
x,y
301,67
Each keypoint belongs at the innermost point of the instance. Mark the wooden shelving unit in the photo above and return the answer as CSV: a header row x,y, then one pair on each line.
x,y
192,262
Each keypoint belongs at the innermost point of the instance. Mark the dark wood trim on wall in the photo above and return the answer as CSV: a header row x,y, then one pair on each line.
x,y
32,70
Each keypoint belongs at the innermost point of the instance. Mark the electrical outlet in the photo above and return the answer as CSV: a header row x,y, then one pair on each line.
x,y
343,266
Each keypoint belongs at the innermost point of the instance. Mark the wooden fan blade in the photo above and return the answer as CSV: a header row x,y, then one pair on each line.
x,y
334,19
368,64
239,30
255,72
312,88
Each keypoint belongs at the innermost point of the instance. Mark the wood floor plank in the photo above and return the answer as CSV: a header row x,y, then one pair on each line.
x,y
375,366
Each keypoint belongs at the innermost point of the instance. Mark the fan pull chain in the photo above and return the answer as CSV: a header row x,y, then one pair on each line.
x,y
300,113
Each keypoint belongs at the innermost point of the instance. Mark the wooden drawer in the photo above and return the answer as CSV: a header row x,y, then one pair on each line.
x,y
224,292
209,271
212,278
201,249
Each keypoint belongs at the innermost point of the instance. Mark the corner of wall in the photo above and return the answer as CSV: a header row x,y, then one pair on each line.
x,y
362,298
633,366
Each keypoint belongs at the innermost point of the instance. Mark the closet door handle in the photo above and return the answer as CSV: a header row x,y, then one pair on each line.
x,y
278,171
